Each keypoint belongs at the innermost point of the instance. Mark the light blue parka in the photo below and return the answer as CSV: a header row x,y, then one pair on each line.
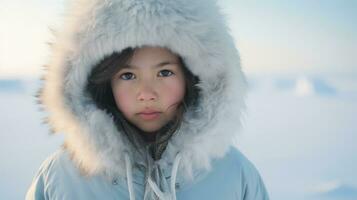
x,y
232,177
97,160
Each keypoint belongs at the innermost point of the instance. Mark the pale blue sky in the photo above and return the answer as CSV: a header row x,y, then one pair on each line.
x,y
295,35
275,35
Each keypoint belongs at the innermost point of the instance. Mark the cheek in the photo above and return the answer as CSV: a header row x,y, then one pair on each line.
x,y
175,92
123,99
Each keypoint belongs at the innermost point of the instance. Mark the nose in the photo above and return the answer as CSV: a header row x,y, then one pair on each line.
x,y
147,93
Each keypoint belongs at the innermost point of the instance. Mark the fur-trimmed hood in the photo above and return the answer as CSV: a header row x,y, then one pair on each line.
x,y
193,29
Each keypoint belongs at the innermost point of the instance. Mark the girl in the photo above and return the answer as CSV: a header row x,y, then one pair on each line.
x,y
149,95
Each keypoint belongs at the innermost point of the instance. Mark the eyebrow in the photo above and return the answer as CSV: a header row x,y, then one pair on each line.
x,y
156,66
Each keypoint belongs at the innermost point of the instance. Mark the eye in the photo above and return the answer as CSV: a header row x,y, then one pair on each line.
x,y
165,72
127,76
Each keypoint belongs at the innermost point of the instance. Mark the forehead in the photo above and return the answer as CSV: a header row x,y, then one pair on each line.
x,y
152,57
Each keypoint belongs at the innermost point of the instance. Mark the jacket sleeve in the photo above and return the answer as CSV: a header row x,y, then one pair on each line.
x,y
37,189
254,187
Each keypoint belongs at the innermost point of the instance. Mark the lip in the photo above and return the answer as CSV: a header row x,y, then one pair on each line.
x,y
149,114
148,111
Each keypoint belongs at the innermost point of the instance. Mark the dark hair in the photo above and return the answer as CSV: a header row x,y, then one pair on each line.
x,y
100,90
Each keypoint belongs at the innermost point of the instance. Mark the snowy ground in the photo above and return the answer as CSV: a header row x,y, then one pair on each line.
x,y
299,131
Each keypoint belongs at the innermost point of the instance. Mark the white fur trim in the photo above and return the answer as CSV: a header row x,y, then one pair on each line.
x,y
194,29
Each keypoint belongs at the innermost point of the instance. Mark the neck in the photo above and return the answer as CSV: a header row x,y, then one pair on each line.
x,y
149,136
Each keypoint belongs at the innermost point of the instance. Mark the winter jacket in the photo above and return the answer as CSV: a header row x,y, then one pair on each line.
x,y
97,161
232,177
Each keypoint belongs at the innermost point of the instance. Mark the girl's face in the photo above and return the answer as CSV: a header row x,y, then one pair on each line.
x,y
148,90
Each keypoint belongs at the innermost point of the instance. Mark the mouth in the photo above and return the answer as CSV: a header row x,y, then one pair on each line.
x,y
149,114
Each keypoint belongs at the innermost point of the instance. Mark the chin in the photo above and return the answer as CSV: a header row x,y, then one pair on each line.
x,y
149,130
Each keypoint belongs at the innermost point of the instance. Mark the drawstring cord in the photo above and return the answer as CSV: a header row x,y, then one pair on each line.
x,y
171,195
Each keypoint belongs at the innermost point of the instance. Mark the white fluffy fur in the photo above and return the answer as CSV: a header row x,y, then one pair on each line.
x,y
194,29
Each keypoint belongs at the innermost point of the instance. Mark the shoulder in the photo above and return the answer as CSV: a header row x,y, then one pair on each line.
x,y
60,178
58,160
242,164
51,162
60,168
236,164
249,177
40,182
239,161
